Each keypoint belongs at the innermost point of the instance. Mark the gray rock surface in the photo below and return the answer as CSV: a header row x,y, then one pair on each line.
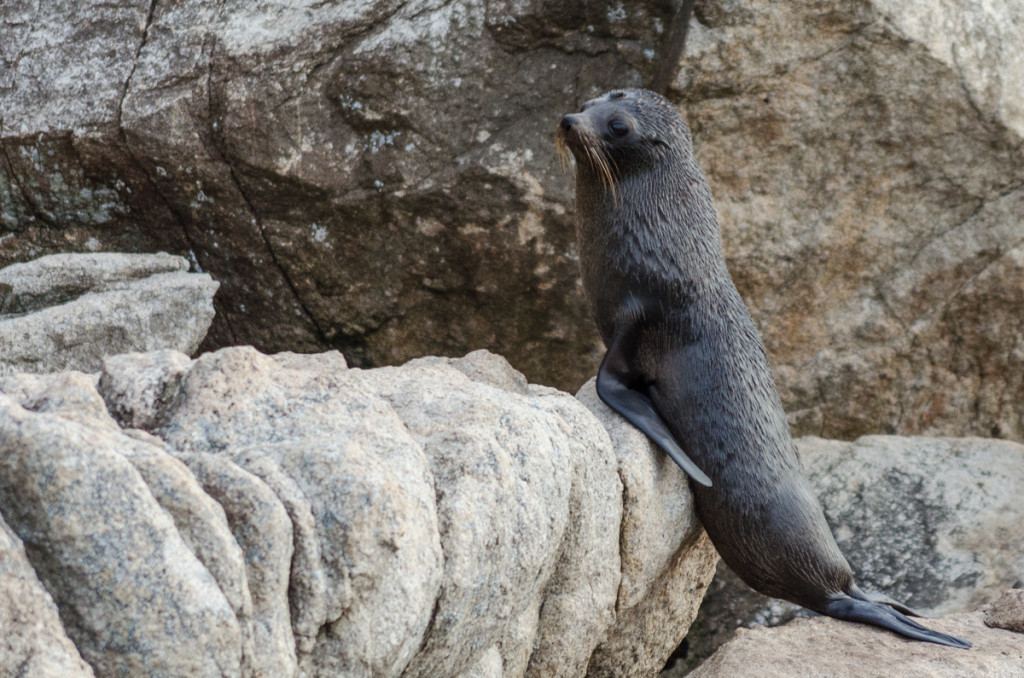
x,y
33,642
827,647
655,570
69,311
285,515
131,594
355,174
380,177
259,523
932,522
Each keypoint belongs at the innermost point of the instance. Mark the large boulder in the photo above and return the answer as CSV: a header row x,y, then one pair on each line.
x,y
379,177
355,174
253,515
932,522
69,311
867,165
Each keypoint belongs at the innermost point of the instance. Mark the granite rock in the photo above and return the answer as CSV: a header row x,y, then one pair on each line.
x,y
70,311
858,650
253,515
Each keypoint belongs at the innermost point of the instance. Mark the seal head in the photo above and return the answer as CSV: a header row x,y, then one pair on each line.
x,y
609,138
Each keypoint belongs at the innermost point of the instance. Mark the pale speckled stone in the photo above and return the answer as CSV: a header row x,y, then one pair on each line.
x,y
489,665
69,395
58,278
132,595
307,588
33,642
667,560
348,455
580,598
504,475
260,524
69,311
439,518
487,368
200,520
657,502
137,387
827,647
203,526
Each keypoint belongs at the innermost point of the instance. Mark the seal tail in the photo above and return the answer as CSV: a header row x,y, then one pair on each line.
x,y
857,607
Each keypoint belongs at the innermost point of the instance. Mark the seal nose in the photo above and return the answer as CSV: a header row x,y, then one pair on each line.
x,y
567,122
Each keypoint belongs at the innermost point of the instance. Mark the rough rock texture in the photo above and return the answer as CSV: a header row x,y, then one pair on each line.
x,y
33,642
130,591
656,573
285,515
69,311
355,174
826,647
932,522
379,177
867,162
1007,612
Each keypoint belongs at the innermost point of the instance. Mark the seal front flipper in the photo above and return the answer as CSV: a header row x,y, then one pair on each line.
x,y
613,385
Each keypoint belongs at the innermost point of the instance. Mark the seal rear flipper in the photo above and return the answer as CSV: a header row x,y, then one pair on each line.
x,y
639,410
846,608
874,597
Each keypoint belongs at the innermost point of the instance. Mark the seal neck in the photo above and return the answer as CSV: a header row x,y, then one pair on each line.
x,y
658,222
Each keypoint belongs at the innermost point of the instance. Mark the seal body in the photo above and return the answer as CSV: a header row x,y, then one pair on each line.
x,y
685,362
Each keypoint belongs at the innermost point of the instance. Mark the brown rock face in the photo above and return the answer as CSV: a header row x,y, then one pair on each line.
x,y
867,167
379,177
1007,612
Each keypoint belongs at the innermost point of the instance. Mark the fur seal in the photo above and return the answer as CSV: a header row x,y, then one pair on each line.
x,y
686,364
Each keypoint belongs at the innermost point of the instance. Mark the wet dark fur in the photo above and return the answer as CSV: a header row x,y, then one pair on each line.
x,y
648,231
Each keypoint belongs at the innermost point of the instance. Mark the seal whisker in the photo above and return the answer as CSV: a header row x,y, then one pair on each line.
x,y
563,152
600,163
612,171
595,164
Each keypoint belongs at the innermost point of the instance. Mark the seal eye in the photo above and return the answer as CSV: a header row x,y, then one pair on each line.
x,y
618,128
